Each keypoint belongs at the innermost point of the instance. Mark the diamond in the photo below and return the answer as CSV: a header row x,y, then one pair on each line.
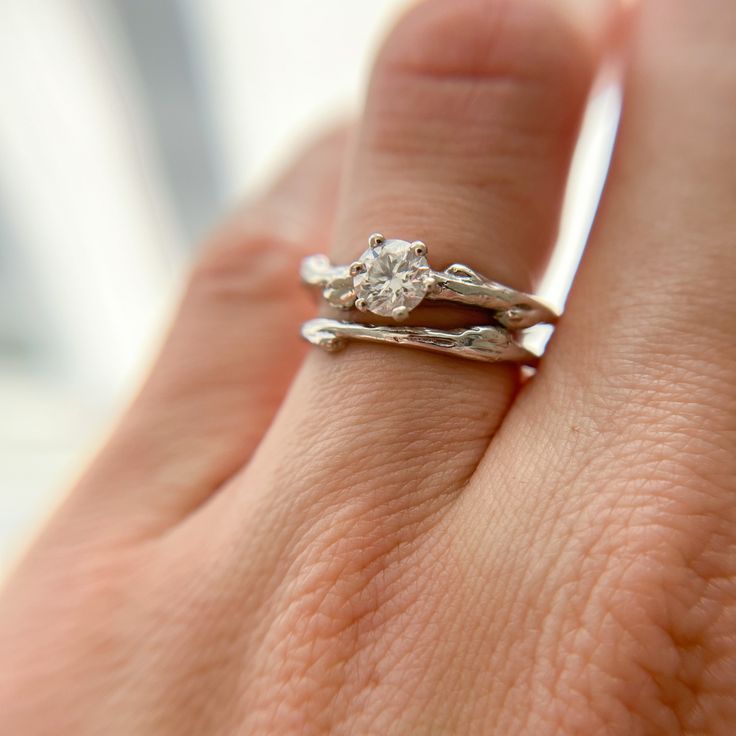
x,y
395,277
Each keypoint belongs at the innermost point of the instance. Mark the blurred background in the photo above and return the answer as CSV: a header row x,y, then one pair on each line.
x,y
128,127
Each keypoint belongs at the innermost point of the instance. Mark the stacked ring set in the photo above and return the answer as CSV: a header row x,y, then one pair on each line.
x,y
392,277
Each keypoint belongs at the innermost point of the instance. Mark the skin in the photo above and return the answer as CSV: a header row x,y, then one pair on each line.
x,y
385,541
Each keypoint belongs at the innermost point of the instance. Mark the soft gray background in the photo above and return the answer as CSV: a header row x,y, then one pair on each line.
x,y
127,128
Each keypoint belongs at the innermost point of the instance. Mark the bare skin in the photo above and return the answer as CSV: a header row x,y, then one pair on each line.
x,y
554,560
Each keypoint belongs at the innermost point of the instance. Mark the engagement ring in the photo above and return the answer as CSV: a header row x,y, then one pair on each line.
x,y
392,277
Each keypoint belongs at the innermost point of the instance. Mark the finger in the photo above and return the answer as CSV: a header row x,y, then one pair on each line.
x,y
465,144
655,291
632,420
648,334
229,357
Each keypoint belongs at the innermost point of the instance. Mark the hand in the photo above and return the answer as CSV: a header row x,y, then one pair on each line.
x,y
384,541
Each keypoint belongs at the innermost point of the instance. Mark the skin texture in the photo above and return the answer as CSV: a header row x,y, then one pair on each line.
x,y
392,542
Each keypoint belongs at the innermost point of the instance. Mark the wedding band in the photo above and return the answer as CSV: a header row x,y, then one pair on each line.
x,y
487,343
392,277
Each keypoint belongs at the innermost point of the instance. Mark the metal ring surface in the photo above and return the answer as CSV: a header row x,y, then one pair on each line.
x,y
486,343
392,277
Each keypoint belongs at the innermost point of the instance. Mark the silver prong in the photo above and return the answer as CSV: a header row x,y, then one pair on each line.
x,y
431,283
360,305
419,248
356,267
400,313
511,316
375,239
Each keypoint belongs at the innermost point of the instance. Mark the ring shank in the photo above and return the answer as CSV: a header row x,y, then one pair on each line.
x,y
485,343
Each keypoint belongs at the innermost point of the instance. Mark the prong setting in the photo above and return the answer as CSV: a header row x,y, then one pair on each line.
x,y
360,305
376,239
419,248
357,267
393,277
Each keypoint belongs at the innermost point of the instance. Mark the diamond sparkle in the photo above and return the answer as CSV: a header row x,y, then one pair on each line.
x,y
395,276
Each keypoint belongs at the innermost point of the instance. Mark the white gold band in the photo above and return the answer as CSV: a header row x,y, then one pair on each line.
x,y
489,344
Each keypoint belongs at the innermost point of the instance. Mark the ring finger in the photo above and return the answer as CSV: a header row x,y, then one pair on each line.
x,y
465,144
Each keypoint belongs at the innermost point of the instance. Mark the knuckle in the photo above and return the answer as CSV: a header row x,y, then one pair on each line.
x,y
239,266
71,598
530,42
339,616
637,641
669,620
653,579
655,587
